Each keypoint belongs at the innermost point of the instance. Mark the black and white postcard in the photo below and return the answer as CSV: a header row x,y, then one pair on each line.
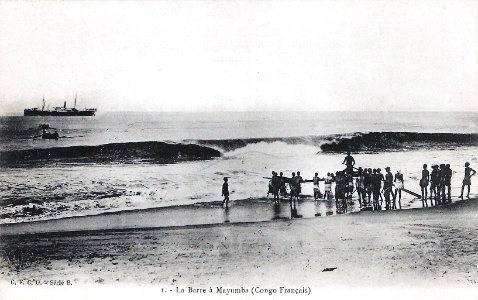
x,y
239,149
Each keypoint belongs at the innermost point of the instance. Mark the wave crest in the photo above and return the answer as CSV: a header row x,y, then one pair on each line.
x,y
358,141
396,141
160,152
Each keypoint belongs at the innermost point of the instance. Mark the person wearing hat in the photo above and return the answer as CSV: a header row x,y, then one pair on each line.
x,y
225,193
467,180
398,189
424,184
433,184
387,187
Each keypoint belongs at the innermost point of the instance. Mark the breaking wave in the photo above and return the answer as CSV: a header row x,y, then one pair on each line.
x,y
159,152
168,152
397,141
357,142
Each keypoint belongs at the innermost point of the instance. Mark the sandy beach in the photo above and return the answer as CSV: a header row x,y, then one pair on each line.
x,y
411,248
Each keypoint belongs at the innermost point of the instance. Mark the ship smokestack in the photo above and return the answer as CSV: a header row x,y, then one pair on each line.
x,y
64,104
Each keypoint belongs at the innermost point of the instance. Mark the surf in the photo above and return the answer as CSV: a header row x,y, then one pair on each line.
x,y
156,152
357,141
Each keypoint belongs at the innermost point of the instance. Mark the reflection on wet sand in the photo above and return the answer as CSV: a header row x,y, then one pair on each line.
x,y
250,210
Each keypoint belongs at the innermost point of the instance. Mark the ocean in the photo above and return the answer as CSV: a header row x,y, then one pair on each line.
x,y
128,161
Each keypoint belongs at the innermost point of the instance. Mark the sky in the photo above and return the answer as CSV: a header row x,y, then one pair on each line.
x,y
233,55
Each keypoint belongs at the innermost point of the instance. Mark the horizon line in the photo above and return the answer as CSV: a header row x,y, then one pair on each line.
x,y
16,114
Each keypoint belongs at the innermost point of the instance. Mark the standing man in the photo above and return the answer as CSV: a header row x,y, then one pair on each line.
x,y
424,185
299,180
376,186
448,175
282,188
316,180
398,189
467,180
360,185
225,193
379,182
328,186
349,161
387,188
443,174
275,187
293,194
434,177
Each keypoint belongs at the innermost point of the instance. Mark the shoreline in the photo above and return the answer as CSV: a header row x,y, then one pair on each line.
x,y
197,214
415,247
200,214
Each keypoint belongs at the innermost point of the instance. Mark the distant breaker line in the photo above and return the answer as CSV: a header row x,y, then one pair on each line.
x,y
357,142
154,152
169,152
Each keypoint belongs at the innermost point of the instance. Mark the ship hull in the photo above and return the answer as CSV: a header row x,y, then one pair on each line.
x,y
56,113
27,112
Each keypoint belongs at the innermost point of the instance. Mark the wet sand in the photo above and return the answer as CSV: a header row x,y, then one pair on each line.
x,y
203,213
416,247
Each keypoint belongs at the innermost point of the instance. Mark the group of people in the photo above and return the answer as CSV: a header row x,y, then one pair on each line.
x,y
372,186
277,187
440,183
368,185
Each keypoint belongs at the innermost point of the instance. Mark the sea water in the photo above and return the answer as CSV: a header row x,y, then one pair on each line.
x,y
61,188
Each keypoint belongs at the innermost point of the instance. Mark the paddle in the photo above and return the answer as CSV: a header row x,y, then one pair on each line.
x,y
412,193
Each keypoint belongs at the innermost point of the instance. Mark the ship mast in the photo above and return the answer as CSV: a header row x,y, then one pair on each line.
x,y
75,102
43,106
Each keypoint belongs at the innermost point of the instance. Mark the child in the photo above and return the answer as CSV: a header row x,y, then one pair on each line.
x,y
225,193
467,180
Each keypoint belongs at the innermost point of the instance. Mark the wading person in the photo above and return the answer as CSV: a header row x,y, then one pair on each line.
x,y
398,189
293,194
467,179
387,187
448,175
282,189
340,182
376,186
424,185
349,161
369,184
225,193
434,177
299,180
379,182
328,186
270,190
275,187
360,186
316,181
441,183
